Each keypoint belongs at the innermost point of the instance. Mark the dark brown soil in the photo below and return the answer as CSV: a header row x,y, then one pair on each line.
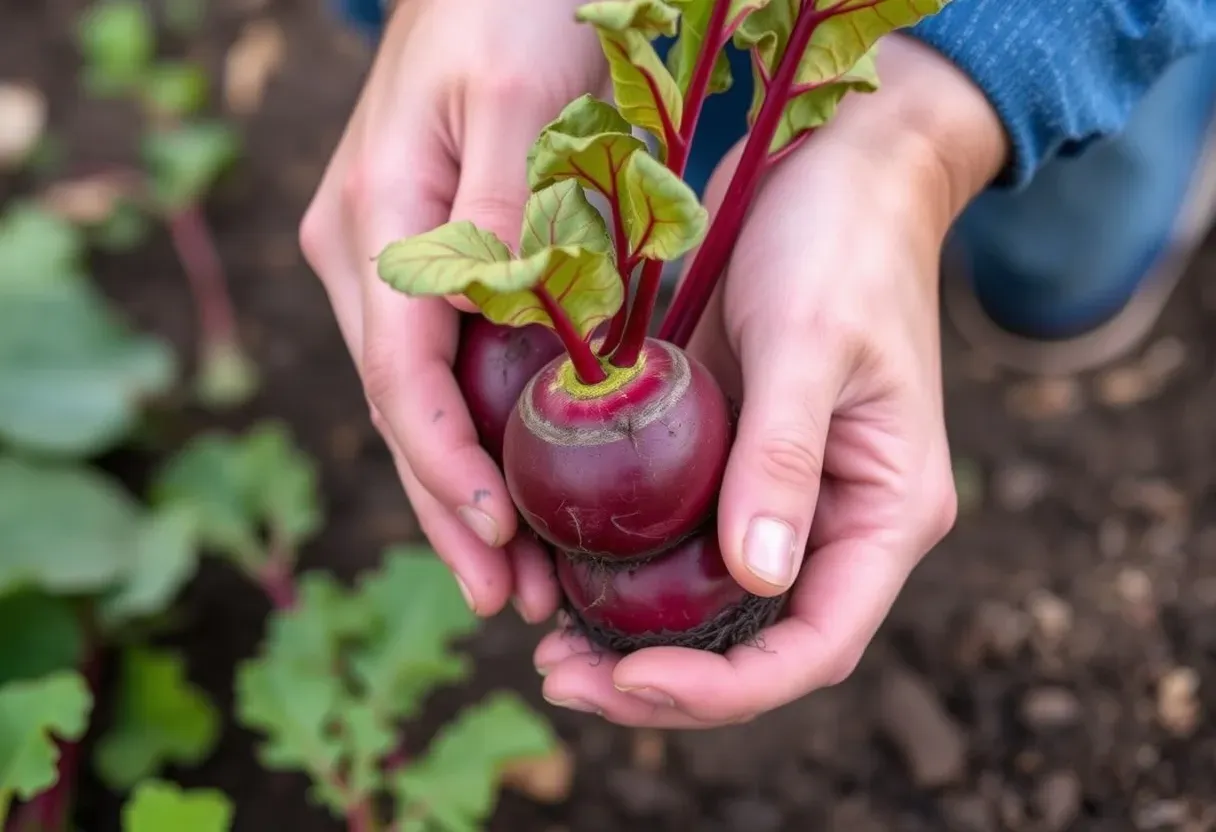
x,y
1050,666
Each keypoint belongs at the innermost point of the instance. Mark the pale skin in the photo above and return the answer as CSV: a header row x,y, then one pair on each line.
x,y
825,325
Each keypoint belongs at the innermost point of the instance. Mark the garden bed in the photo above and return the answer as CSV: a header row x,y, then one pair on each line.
x,y
1050,666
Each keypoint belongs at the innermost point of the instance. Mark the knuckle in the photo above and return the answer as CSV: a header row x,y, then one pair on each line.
x,y
791,457
379,376
311,235
941,507
501,87
844,666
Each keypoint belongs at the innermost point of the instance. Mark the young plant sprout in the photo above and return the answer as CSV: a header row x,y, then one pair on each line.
x,y
614,450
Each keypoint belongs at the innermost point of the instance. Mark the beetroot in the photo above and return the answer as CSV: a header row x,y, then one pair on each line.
x,y
615,453
493,364
621,469
683,596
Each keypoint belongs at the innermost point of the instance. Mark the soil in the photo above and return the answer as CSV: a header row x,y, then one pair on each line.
x,y
1049,666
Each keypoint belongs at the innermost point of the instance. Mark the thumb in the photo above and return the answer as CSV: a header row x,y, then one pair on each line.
x,y
772,480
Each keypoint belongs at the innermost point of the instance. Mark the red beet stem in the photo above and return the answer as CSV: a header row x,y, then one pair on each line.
x,y
205,273
586,366
711,258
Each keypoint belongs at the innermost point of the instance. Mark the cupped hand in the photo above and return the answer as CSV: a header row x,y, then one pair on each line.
x,y
458,93
826,327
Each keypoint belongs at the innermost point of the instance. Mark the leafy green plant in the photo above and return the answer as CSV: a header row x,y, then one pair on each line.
x,y
91,570
184,154
596,445
341,668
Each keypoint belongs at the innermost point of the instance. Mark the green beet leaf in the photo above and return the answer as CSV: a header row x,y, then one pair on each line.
x,y
293,693
419,613
64,529
42,634
164,560
254,495
156,806
73,377
694,21
561,215
32,715
459,258
839,58
185,161
645,91
454,786
584,283
445,260
663,217
816,106
37,248
161,718
176,88
117,41
588,143
337,672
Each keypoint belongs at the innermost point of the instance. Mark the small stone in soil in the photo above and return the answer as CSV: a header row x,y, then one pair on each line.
x,y
1020,485
1177,701
1050,708
1049,398
933,745
1052,616
1058,800
1161,814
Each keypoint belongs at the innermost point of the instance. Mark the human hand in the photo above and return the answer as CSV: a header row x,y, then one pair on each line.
x,y
458,93
826,327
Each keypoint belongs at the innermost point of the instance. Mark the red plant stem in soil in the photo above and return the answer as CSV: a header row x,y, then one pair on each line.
x,y
49,811
651,280
586,365
278,582
205,271
690,302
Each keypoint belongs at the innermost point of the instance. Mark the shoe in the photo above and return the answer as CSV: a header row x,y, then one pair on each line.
x,y
1055,350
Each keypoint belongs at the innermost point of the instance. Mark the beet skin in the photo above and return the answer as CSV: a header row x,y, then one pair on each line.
x,y
493,365
624,469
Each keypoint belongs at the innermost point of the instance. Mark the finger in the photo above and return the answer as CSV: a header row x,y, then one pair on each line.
x,y
583,682
846,590
772,479
493,186
483,573
409,346
461,303
536,589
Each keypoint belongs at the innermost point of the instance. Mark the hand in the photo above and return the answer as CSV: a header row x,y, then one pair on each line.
x,y
827,325
458,93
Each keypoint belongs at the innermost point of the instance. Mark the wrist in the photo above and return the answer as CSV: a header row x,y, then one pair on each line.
x,y
928,125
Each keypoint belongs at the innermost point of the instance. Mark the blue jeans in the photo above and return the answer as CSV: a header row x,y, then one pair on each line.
x,y
1067,251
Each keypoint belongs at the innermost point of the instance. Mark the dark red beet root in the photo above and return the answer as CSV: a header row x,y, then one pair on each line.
x,y
684,597
622,469
493,365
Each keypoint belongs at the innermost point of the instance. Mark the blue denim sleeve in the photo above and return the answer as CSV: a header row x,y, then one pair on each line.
x,y
1062,73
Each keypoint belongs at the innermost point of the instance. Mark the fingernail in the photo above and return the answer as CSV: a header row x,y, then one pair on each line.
x,y
480,524
519,608
574,705
650,695
768,550
544,669
468,596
